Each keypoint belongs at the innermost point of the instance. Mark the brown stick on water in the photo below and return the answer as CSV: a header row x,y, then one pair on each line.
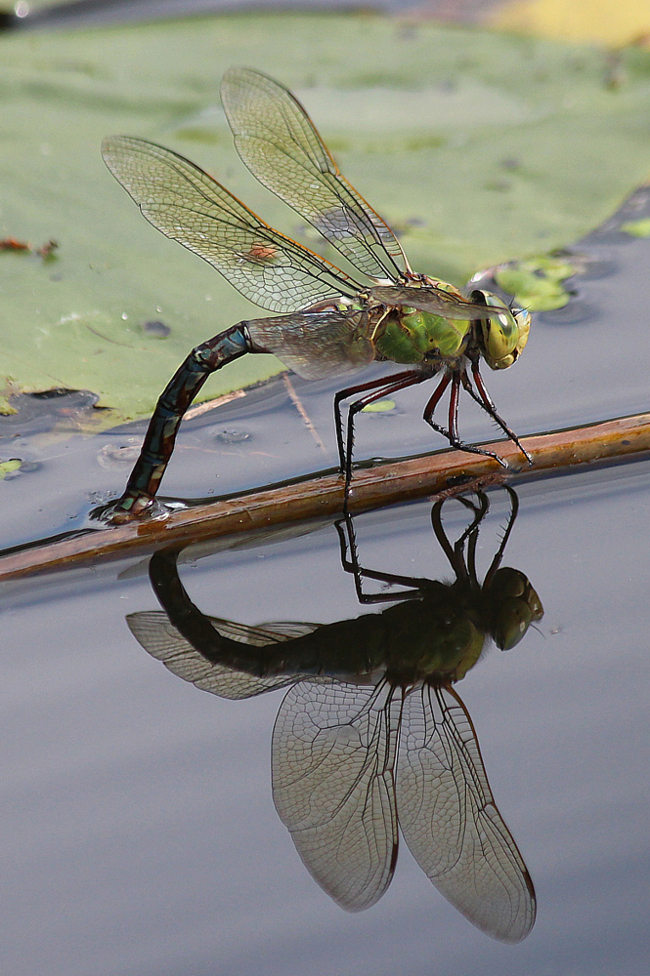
x,y
322,497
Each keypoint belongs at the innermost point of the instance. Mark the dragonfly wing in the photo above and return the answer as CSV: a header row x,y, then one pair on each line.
x,y
279,144
434,300
153,630
277,630
190,207
316,344
333,785
450,821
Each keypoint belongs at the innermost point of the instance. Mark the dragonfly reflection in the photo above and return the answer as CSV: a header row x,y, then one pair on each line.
x,y
371,736
331,323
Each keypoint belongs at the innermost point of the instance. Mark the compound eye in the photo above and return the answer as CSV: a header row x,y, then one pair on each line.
x,y
504,333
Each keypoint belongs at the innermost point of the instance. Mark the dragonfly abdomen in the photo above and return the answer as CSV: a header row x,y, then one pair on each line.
x,y
172,404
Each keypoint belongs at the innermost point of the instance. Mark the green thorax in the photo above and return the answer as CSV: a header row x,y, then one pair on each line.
x,y
438,638
416,337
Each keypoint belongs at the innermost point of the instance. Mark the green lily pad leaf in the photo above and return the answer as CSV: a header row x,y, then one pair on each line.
x,y
465,141
637,228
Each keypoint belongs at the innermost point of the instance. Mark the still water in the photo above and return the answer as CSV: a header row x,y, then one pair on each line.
x,y
139,834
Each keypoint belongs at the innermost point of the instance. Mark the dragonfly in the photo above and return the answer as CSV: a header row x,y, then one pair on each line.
x,y
329,322
371,736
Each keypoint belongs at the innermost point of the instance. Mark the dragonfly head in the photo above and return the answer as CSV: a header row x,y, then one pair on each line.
x,y
514,607
504,333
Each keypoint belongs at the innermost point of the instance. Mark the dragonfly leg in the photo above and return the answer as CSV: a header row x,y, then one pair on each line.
x,y
374,390
465,570
484,400
498,556
451,433
352,565
174,401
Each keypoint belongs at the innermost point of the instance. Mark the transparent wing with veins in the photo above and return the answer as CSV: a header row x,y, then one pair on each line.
x,y
431,298
188,206
158,636
334,750
280,145
450,821
316,344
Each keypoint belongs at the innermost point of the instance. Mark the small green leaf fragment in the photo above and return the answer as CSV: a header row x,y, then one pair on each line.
x,y
537,282
7,467
6,409
637,228
380,406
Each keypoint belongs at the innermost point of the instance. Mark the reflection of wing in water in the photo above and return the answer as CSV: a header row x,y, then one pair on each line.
x,y
334,750
153,630
450,821
352,760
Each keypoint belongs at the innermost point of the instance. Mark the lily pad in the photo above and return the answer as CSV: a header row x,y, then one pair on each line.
x,y
475,147
537,283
